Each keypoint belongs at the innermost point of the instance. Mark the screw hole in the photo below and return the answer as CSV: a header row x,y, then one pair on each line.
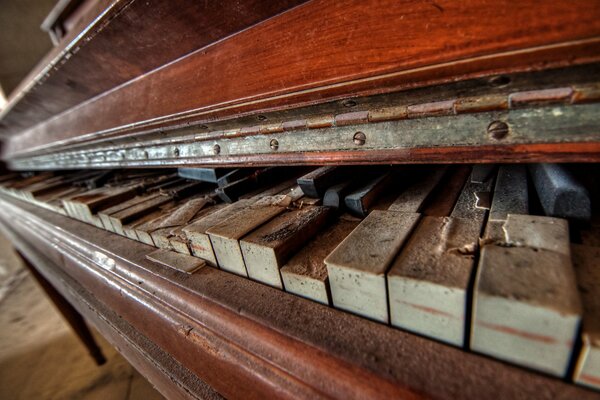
x,y
349,103
217,149
261,118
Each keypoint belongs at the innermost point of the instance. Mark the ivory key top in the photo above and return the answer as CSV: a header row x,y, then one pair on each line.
x,y
358,265
305,274
225,236
526,307
429,281
266,249
196,232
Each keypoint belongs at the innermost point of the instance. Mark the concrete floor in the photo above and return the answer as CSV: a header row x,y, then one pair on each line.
x,y
41,358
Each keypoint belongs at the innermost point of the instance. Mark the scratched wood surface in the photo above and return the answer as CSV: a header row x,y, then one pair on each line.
x,y
324,50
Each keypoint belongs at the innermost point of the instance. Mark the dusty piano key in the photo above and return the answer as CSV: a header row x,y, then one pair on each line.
x,y
84,206
560,194
334,195
131,229
197,235
118,219
210,175
428,282
587,267
357,266
526,308
443,198
482,172
266,249
180,262
234,175
16,188
305,274
225,236
105,214
510,197
414,196
315,183
256,181
360,200
56,183
181,214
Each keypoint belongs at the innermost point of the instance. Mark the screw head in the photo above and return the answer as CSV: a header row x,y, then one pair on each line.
x,y
359,138
349,103
274,144
498,130
261,117
216,149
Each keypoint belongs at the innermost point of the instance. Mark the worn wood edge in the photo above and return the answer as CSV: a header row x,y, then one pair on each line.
x,y
447,365
168,376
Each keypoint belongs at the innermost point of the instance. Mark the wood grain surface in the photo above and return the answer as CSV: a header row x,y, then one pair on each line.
x,y
323,50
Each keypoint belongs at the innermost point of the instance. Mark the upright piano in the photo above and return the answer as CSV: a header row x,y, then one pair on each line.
x,y
319,199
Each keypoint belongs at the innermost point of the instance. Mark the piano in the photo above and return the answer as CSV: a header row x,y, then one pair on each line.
x,y
318,199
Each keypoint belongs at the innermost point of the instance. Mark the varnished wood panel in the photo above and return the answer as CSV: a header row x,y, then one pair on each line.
x,y
323,50
132,38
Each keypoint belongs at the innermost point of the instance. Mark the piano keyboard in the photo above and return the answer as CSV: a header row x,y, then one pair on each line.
x,y
501,260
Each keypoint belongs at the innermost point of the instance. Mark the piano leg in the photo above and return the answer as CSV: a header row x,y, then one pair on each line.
x,y
74,319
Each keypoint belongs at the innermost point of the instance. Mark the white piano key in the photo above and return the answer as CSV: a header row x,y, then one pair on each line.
x,y
357,267
305,274
225,236
267,248
526,308
429,281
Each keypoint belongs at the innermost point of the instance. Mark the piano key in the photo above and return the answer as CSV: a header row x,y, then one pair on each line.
x,y
428,282
305,274
182,214
482,172
357,266
180,262
526,308
315,183
586,260
443,199
225,236
234,175
414,196
560,194
360,200
510,197
128,214
254,182
211,175
200,244
266,249
334,196
149,204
